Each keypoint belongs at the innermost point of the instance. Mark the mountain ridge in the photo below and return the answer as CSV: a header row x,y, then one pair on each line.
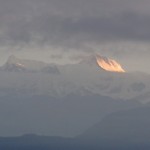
x,y
68,102
25,65
63,79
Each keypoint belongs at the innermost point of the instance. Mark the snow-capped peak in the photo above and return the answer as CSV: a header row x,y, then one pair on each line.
x,y
109,64
15,64
104,63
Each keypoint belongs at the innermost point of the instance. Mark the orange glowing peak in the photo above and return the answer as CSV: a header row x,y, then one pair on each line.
x,y
109,64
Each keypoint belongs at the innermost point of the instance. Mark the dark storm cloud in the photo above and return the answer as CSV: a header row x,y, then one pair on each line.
x,y
70,23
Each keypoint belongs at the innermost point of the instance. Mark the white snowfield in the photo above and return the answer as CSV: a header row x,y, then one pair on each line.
x,y
87,77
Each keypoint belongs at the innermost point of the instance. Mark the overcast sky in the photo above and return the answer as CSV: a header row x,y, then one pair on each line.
x,y
61,30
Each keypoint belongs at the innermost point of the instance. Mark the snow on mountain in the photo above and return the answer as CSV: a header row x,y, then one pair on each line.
x,y
15,64
61,80
67,102
109,64
92,77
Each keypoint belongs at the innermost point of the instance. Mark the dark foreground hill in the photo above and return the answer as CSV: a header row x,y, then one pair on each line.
x,y
57,143
124,130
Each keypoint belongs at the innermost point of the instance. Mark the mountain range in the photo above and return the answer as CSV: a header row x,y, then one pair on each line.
x,y
87,76
66,100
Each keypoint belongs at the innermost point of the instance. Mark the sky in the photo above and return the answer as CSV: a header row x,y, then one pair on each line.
x,y
64,31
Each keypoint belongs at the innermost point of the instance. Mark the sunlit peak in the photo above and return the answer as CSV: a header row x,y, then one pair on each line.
x,y
109,64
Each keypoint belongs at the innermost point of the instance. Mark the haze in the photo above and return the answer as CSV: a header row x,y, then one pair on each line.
x,y
74,74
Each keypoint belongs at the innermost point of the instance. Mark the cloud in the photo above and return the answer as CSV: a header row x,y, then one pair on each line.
x,y
69,23
56,56
77,25
116,28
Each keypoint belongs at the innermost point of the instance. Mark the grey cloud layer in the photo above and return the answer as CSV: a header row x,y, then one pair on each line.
x,y
73,22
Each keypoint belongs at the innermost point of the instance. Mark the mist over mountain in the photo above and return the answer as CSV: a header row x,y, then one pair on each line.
x,y
74,75
127,129
58,81
15,64
131,125
64,100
